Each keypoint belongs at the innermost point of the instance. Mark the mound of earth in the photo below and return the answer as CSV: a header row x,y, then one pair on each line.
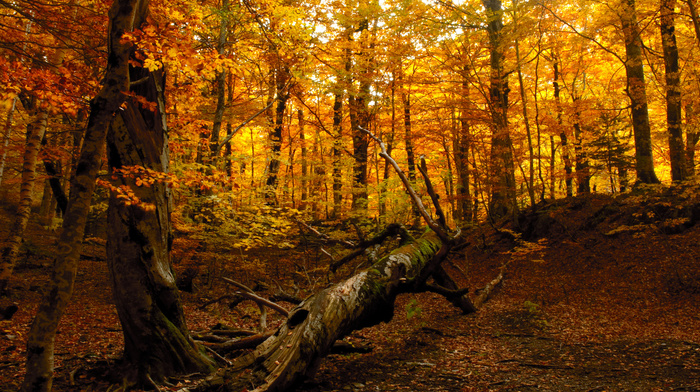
x,y
600,294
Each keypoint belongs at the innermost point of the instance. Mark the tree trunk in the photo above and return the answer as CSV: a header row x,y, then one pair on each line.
x,y
692,133
583,169
673,90
156,339
531,152
565,150
461,151
360,118
304,160
408,140
692,139
124,15
389,140
6,136
636,90
336,152
503,196
294,352
281,78
35,133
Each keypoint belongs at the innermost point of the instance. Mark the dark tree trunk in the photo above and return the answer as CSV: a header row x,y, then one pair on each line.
x,y
583,169
282,77
304,160
461,151
35,133
565,150
673,90
124,16
220,85
360,146
692,139
692,133
503,196
636,90
156,339
337,154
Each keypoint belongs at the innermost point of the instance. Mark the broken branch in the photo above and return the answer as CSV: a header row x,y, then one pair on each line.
x,y
259,300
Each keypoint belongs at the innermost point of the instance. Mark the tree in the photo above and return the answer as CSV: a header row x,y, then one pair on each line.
x,y
503,196
156,339
125,16
673,90
636,90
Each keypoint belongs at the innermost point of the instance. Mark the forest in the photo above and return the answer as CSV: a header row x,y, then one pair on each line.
x,y
268,195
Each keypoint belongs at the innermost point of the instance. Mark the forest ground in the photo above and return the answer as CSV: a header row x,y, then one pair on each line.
x,y
599,294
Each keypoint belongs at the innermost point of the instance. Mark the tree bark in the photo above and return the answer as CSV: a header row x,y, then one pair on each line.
x,y
636,90
692,133
35,133
6,136
360,117
157,343
304,160
583,169
124,15
565,150
692,139
336,152
461,151
220,85
294,352
503,196
673,90
531,153
281,78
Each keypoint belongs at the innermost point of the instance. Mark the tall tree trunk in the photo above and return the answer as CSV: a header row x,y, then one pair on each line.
x,y
461,151
565,151
692,132
156,339
281,78
636,90
673,90
304,159
539,130
337,154
583,170
360,147
360,117
35,133
6,136
531,154
389,147
692,139
220,84
552,167
124,15
503,195
408,140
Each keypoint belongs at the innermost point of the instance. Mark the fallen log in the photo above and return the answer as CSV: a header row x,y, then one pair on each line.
x,y
294,352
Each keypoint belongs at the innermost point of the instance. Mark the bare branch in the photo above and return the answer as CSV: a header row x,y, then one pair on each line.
x,y
431,191
244,123
391,230
582,35
414,196
248,293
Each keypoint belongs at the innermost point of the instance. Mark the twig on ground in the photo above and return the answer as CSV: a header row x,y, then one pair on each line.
x,y
248,293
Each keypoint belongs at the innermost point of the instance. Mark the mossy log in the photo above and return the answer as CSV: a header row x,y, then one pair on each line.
x,y
294,352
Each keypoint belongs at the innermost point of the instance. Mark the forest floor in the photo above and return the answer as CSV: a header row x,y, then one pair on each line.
x,y
599,294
